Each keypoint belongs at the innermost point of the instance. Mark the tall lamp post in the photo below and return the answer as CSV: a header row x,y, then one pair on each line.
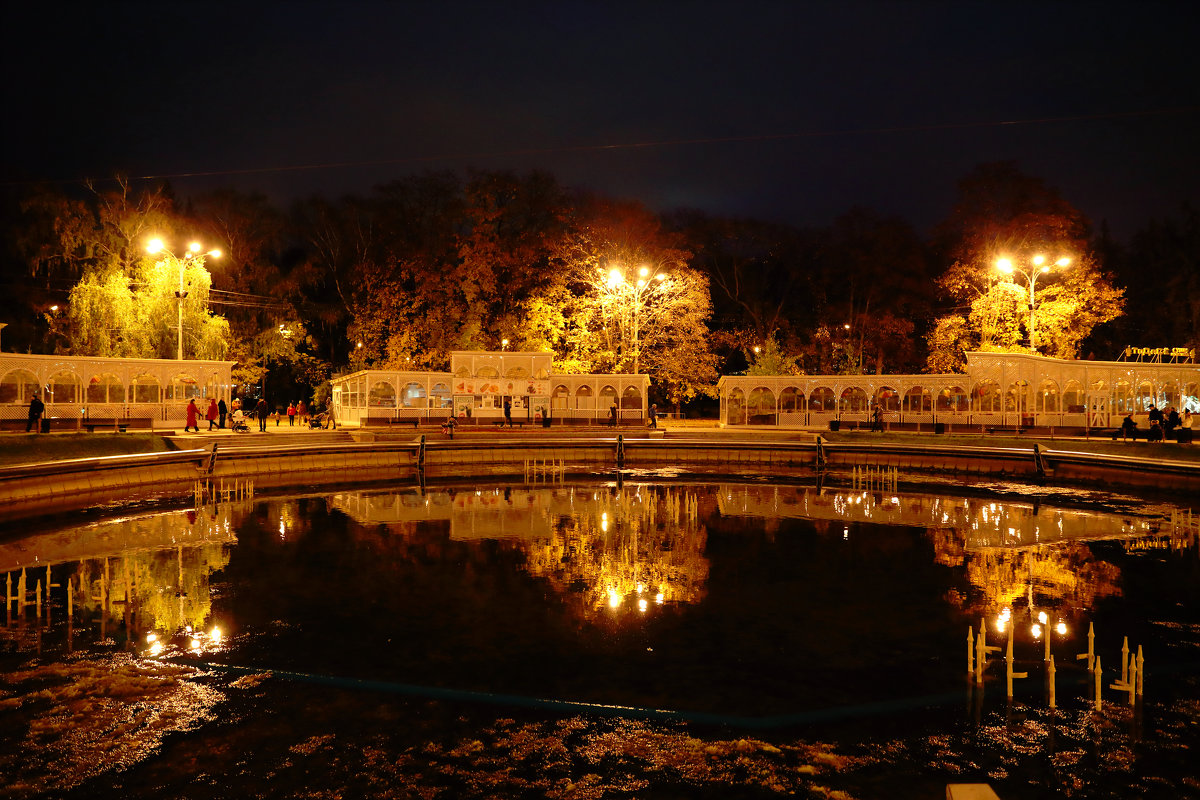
x,y
638,292
1037,267
193,255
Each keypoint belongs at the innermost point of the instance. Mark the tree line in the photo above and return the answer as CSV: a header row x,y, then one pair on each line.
x,y
401,276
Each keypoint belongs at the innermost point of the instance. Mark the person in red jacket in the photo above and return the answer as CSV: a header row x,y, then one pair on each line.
x,y
193,417
211,414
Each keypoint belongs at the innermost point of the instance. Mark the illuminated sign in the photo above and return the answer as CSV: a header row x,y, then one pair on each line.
x,y
1165,352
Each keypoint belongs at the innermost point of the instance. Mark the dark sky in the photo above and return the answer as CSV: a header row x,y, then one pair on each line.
x,y
793,111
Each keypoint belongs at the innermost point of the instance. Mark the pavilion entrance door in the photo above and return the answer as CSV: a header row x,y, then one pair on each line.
x,y
1098,416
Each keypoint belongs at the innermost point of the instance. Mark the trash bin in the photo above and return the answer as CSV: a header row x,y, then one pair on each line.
x,y
939,427
834,424
45,425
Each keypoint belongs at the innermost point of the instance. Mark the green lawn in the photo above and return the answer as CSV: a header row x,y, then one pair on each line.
x,y
26,448
1157,450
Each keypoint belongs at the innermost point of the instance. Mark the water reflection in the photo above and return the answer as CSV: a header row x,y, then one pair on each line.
x,y
143,579
613,548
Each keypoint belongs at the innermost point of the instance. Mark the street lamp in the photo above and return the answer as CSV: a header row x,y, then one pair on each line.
x,y
638,293
193,254
1037,267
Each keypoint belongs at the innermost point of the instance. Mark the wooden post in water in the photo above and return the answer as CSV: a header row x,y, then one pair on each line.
x,y
1050,673
1097,670
970,650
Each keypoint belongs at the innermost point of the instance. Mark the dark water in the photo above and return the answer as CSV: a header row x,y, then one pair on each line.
x,y
728,641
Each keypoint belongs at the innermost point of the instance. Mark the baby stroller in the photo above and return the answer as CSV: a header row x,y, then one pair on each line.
x,y
238,425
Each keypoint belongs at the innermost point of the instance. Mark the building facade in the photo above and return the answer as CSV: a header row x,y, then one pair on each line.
x,y
477,386
80,389
998,389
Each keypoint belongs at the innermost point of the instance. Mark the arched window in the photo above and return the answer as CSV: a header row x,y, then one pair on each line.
x,y
541,374
1016,399
608,396
414,396
854,400
64,387
183,387
382,395
821,399
761,408
462,372
105,388
487,372
145,389
583,397
918,399
516,372
442,398
987,396
1170,395
887,399
1072,399
735,409
561,397
1191,398
1047,396
952,399
18,386
631,397
1123,397
790,399
1146,396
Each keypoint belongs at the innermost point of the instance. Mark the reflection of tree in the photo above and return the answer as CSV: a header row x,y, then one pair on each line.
x,y
639,547
1062,575
167,589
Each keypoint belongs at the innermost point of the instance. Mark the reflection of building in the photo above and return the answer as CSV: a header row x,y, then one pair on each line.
x,y
982,523
478,385
630,547
998,389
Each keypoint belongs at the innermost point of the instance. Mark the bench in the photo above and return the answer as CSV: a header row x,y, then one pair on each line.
x,y
121,424
1006,429
372,421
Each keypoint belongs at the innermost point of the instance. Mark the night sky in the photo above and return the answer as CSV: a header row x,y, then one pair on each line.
x,y
789,111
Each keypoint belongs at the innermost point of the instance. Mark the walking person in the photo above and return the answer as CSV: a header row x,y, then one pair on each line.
x,y
262,411
211,413
877,420
193,417
222,412
653,423
291,412
36,409
612,415
508,411
302,412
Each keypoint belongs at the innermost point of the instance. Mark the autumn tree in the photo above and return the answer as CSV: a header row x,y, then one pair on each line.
x,y
602,312
1002,213
124,303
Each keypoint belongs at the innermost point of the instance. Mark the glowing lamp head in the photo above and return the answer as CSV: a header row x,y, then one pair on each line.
x,y
1063,262
1004,265
1039,260
194,247
154,246
644,271
214,253
615,278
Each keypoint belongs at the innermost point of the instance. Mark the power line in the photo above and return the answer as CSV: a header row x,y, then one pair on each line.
x,y
760,137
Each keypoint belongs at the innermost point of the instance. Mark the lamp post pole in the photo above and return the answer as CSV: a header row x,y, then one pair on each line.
x,y
1039,266
638,292
155,246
